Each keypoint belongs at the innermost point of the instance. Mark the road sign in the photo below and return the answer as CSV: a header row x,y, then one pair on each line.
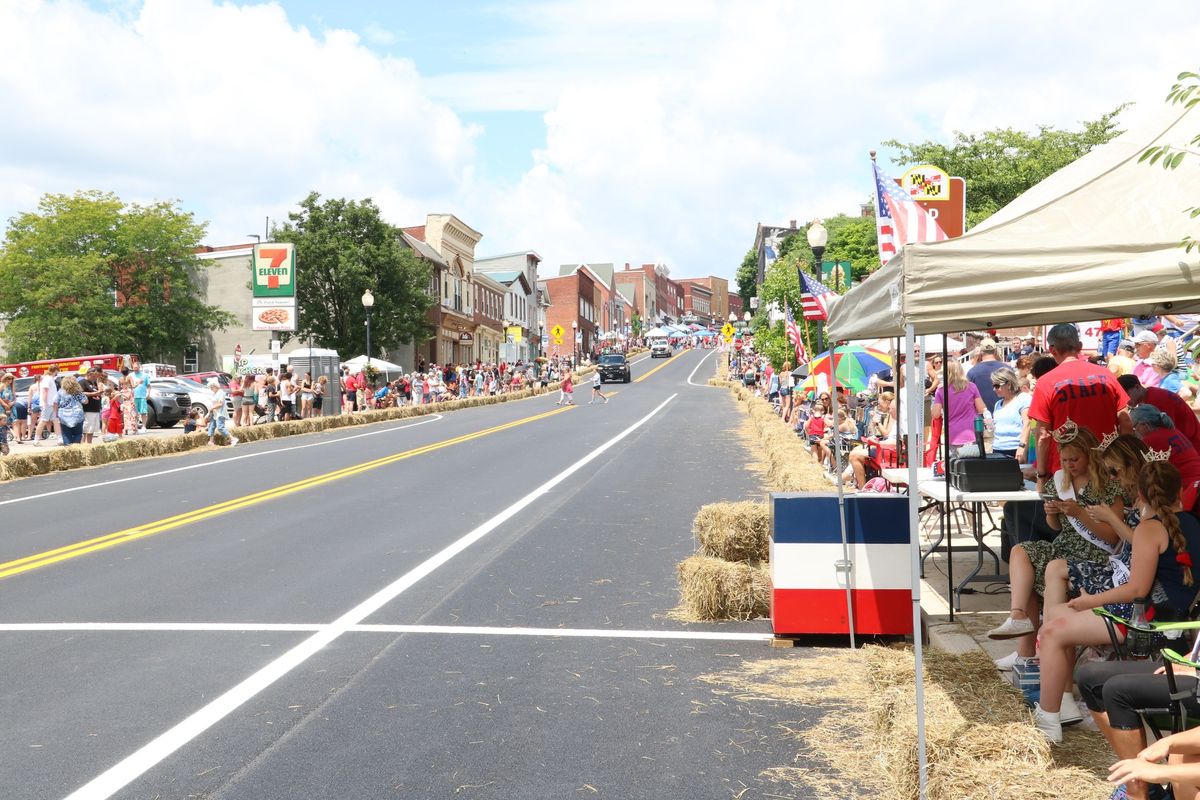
x,y
558,340
557,332
727,331
727,339
738,344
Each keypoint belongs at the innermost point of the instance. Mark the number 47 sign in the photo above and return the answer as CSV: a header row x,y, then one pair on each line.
x,y
274,267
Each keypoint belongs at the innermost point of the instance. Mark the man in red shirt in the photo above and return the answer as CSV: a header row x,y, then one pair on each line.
x,y
1166,401
1085,393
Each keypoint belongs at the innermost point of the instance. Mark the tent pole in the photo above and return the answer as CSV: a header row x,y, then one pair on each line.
x,y
916,436
846,565
946,526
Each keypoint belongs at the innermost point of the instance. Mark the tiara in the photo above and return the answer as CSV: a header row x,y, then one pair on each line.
x,y
1157,455
1107,440
1065,432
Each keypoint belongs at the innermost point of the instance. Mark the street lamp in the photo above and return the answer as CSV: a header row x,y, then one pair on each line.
x,y
818,237
368,301
574,343
541,336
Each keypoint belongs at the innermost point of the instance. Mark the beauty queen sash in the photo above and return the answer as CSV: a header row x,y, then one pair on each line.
x,y
1062,480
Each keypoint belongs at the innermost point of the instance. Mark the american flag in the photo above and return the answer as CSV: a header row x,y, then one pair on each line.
x,y
814,297
793,334
900,220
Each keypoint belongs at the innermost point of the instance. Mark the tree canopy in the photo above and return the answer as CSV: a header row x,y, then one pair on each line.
x,y
344,247
1000,164
1185,92
747,277
88,274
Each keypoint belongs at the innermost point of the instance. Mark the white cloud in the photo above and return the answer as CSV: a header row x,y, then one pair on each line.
x,y
674,146
232,109
671,127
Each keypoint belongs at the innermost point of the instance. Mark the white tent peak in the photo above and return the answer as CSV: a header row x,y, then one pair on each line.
x,y
1099,238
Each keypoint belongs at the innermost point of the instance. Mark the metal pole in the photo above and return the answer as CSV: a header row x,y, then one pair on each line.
x,y
846,565
946,462
368,340
914,384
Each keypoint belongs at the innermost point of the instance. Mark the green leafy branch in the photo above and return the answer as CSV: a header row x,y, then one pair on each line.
x,y
1185,92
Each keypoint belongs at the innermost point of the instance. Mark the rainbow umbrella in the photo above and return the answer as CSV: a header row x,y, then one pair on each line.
x,y
854,367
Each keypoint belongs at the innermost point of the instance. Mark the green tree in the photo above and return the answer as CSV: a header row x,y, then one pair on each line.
x,y
635,325
344,247
747,277
87,273
1000,164
853,239
1185,92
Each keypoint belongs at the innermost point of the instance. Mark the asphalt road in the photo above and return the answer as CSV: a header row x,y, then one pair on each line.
x,y
471,605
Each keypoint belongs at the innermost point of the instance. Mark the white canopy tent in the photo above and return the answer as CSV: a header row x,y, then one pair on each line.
x,y
1099,238
359,362
659,333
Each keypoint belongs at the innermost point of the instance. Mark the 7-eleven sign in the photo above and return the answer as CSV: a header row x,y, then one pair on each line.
x,y
274,269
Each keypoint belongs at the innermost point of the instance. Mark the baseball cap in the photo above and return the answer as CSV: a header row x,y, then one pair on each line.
x,y
1146,337
988,345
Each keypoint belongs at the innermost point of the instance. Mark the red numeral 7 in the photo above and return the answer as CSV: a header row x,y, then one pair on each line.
x,y
276,254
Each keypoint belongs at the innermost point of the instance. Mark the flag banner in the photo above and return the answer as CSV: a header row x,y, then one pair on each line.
x,y
793,334
814,298
906,221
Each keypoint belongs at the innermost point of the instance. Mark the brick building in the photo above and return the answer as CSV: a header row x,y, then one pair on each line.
x,y
718,290
489,318
697,302
574,298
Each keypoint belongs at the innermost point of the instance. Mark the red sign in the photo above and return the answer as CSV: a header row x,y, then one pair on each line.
x,y
737,344
943,196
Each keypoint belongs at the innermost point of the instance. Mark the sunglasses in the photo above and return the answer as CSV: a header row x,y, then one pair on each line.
x,y
998,385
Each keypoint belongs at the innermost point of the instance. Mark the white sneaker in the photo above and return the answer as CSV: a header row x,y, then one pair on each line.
x,y
233,440
1070,713
1011,629
1048,723
1006,663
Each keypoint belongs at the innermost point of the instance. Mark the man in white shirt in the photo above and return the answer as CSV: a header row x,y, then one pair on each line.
x,y
48,397
217,413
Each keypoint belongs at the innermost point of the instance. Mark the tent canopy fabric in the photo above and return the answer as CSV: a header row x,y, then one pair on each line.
x,y
355,364
658,333
1099,238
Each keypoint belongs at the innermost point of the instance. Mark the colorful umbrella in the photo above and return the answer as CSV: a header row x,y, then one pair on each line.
x,y
855,366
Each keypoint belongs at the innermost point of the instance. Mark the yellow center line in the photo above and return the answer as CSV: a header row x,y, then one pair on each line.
x,y
48,557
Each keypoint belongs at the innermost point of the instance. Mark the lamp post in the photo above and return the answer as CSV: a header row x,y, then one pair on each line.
x,y
541,336
818,237
368,301
574,344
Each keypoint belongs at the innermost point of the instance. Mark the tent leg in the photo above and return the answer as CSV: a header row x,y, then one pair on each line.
x,y
846,566
914,385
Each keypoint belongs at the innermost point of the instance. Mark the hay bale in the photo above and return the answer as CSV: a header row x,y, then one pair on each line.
x,y
712,589
734,531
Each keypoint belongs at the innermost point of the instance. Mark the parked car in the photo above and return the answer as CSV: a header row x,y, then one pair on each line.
x,y
198,393
202,378
613,367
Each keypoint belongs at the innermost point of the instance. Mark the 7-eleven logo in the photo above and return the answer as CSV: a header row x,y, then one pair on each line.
x,y
273,267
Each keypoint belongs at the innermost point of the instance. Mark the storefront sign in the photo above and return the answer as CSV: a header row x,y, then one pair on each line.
x,y
466,337
274,269
513,333
273,314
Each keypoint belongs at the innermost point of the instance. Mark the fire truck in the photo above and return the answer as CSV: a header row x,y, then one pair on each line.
x,y
68,366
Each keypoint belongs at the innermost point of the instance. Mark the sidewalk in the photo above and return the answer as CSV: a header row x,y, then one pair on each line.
x,y
983,609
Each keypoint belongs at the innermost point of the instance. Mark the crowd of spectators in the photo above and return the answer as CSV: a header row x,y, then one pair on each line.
x,y
1111,441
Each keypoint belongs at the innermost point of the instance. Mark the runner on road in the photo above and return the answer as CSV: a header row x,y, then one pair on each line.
x,y
566,391
596,388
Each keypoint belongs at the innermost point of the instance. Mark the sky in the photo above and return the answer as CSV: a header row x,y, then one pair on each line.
x,y
585,130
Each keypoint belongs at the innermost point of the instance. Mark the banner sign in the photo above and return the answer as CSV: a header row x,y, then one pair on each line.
x,y
273,307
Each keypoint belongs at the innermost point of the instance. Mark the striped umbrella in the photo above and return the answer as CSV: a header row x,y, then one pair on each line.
x,y
854,367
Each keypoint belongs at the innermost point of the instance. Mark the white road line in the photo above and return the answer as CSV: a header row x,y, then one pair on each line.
x,y
698,367
112,780
68,490
584,633
462,630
